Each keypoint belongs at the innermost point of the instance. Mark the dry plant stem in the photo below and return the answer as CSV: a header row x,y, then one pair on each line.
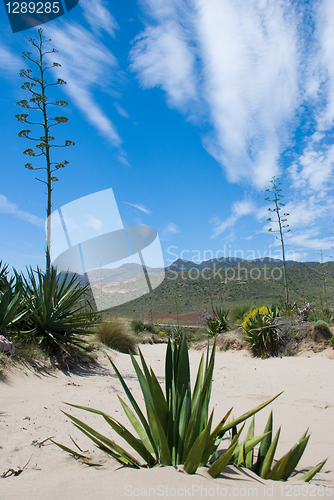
x,y
13,472
40,443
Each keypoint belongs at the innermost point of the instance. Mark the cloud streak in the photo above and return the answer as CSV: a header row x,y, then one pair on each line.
x,y
237,63
139,207
7,207
244,68
98,16
10,63
239,209
87,65
171,228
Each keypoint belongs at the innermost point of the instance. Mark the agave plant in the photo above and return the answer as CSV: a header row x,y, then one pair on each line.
x,y
56,318
219,323
3,276
13,304
178,426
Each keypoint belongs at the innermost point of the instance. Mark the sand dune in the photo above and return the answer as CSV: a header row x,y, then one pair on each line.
x,y
31,407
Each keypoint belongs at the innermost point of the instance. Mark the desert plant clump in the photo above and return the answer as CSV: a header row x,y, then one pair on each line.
x,y
137,325
177,429
219,322
54,317
287,309
261,332
13,303
115,334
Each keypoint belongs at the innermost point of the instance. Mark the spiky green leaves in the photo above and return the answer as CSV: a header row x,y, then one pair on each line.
x,y
219,323
55,311
13,303
177,426
265,465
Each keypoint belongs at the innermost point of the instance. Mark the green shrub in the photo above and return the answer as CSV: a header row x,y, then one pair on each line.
x,y
54,315
260,330
178,426
150,328
115,334
331,342
137,326
321,329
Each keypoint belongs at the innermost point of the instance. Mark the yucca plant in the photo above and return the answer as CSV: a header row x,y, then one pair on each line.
x,y
177,428
55,310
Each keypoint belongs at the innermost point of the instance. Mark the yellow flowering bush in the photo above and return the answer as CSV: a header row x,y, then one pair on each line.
x,y
259,333
249,318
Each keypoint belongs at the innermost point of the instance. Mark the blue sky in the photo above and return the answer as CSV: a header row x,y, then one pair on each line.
x,y
186,109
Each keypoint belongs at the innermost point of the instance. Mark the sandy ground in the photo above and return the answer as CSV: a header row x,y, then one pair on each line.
x,y
31,405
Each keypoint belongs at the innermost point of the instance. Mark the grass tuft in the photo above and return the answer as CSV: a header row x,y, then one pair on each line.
x,y
115,334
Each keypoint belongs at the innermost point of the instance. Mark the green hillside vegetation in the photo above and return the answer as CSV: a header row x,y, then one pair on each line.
x,y
186,292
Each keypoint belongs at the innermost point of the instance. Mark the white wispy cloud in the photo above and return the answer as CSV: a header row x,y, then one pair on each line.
x,y
309,239
139,207
323,75
7,207
306,221
87,65
10,63
238,62
239,209
162,57
121,110
98,16
171,228
247,68
313,170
